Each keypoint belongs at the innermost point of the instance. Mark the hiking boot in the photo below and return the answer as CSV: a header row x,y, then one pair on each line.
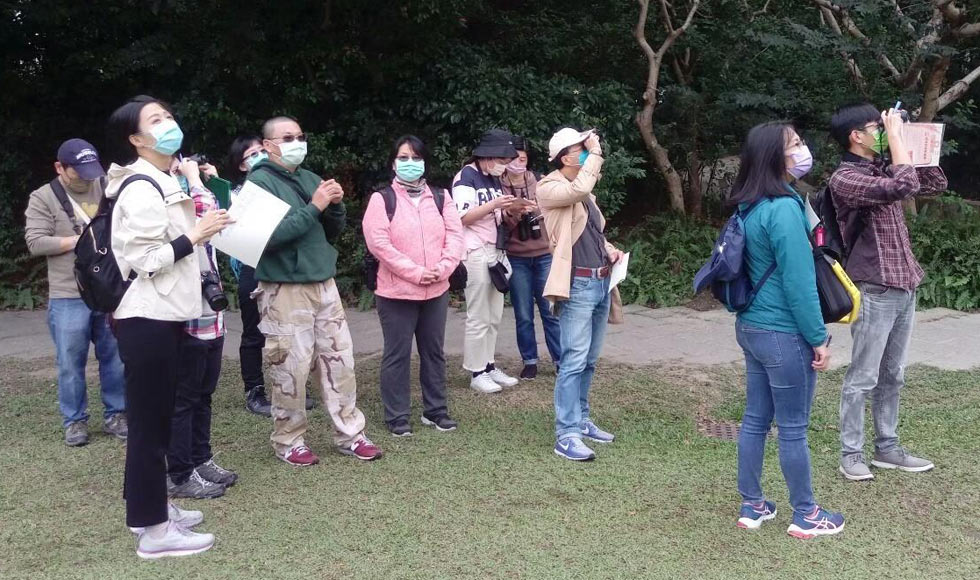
x,y
441,423
820,522
592,431
176,542
256,402
573,448
361,448
751,516
529,372
117,427
300,455
484,384
899,458
501,378
196,487
310,402
214,473
186,519
400,429
76,434
852,467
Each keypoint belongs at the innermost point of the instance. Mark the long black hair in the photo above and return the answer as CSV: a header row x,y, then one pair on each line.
x,y
123,122
762,170
235,153
417,146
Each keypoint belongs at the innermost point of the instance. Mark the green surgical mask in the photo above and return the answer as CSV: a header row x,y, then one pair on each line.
x,y
881,142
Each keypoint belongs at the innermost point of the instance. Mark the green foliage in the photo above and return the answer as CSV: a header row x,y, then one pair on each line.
x,y
946,239
665,253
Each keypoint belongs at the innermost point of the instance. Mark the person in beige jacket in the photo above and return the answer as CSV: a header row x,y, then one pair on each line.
x,y
578,283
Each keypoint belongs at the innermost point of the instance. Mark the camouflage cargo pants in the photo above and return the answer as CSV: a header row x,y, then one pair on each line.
x,y
306,330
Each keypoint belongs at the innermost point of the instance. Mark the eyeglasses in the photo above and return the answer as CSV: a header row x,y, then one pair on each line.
x,y
290,138
409,158
254,154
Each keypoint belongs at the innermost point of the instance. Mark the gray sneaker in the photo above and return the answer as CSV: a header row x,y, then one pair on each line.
x,y
117,427
196,487
76,434
214,473
899,458
853,467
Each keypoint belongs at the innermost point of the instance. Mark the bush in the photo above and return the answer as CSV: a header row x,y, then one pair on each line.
x,y
666,252
946,240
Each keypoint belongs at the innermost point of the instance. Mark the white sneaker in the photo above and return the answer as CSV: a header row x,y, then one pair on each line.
x,y
176,542
186,519
483,383
502,378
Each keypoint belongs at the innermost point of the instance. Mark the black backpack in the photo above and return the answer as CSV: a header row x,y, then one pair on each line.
x,y
97,275
369,269
823,206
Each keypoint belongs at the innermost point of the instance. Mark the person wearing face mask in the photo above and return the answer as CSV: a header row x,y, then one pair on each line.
x,y
529,252
56,214
417,249
578,283
480,202
158,243
782,332
302,316
868,193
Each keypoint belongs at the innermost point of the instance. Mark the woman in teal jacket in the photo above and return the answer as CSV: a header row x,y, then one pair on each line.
x,y
782,331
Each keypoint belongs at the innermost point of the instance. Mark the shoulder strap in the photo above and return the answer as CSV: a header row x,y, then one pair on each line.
x,y
62,197
140,177
439,196
388,195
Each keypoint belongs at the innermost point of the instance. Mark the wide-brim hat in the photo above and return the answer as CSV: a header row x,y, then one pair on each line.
x,y
564,139
496,143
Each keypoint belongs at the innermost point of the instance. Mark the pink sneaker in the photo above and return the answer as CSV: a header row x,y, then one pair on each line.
x,y
362,448
300,455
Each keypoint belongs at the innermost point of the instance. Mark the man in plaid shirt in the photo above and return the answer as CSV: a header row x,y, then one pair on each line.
x,y
868,195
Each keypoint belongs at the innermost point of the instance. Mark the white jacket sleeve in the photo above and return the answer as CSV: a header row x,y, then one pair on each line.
x,y
142,229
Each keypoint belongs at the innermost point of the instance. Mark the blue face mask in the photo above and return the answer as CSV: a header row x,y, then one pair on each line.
x,y
582,157
168,137
182,181
409,170
251,161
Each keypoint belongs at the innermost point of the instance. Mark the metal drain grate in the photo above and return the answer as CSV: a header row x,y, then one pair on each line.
x,y
724,430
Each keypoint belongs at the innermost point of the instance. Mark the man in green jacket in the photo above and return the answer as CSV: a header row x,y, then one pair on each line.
x,y
303,318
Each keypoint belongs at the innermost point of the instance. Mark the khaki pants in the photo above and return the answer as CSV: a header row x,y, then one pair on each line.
x,y
484,309
305,329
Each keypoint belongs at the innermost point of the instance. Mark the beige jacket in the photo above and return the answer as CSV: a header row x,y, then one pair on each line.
x,y
565,218
143,225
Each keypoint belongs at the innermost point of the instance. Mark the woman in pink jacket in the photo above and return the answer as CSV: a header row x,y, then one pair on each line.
x,y
417,248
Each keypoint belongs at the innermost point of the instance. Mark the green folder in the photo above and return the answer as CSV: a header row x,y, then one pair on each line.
x,y
221,188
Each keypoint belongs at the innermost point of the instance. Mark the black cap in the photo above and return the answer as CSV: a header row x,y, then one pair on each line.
x,y
80,155
496,143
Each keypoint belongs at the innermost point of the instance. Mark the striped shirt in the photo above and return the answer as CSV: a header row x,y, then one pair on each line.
x,y
211,325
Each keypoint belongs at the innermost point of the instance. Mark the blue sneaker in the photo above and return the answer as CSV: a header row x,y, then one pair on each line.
x,y
751,516
591,431
819,523
573,448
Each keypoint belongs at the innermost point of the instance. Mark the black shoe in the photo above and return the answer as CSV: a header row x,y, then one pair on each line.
x,y
400,429
442,422
310,403
196,487
256,402
214,473
530,372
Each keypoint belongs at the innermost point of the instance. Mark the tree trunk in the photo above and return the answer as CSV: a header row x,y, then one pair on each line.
x,y
930,106
695,194
661,161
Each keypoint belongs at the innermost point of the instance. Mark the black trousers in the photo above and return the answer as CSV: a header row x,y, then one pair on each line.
x,y
250,351
401,320
190,428
149,349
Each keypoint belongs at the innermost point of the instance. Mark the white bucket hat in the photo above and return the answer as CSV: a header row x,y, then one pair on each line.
x,y
565,138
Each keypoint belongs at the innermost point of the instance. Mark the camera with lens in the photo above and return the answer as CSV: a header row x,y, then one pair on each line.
x,y
211,289
529,228
199,158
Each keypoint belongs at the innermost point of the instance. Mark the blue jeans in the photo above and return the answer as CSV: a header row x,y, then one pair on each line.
x,y
72,327
781,385
527,288
582,319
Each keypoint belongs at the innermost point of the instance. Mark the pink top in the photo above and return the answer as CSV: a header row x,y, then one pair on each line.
x,y
415,239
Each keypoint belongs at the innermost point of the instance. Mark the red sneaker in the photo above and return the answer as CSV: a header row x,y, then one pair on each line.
x,y
300,455
362,449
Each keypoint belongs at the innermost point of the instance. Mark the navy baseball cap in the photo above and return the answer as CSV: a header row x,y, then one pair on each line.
x,y
80,155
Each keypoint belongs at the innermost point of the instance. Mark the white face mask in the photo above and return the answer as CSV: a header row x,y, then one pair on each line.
x,y
293,153
497,170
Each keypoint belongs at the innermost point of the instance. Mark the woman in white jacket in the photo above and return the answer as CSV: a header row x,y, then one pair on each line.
x,y
154,234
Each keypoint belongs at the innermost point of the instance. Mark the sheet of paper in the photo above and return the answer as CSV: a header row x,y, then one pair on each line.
x,y
924,142
618,273
257,214
811,216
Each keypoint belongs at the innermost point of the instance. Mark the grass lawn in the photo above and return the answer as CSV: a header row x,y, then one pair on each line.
x,y
491,500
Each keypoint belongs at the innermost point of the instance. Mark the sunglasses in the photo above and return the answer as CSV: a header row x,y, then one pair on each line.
x,y
290,138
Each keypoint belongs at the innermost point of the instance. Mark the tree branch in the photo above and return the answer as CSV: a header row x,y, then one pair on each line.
x,y
957,90
967,31
827,15
677,32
